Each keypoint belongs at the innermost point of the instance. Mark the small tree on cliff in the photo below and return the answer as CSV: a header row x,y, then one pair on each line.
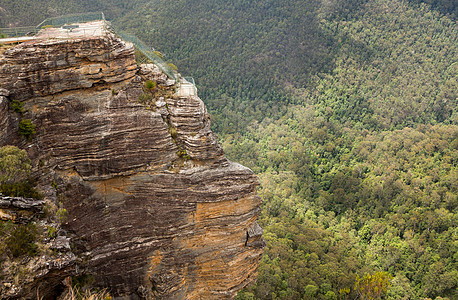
x,y
15,165
26,128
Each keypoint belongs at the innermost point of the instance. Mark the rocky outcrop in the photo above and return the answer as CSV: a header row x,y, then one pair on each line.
x,y
8,122
55,65
18,209
40,273
155,210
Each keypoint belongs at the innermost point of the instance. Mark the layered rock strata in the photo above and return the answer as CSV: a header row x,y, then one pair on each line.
x,y
154,207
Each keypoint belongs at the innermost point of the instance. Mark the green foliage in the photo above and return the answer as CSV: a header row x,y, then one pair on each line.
x,y
398,81
83,281
310,291
15,165
21,239
61,214
141,58
373,286
145,98
387,215
172,66
15,168
20,189
330,295
173,132
447,7
150,85
159,54
27,128
183,154
17,106
52,232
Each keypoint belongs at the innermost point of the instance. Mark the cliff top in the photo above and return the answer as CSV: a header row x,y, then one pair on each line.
x,y
64,27
74,30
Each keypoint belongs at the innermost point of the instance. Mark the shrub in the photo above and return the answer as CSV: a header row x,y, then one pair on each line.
x,y
145,98
173,67
158,54
15,165
26,128
173,132
52,232
150,85
20,189
61,214
183,154
22,240
17,106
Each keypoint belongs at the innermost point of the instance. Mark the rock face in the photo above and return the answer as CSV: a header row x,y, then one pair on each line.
x,y
25,278
155,210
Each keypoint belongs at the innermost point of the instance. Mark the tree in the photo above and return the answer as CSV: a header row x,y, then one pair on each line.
x,y
373,286
15,165
26,128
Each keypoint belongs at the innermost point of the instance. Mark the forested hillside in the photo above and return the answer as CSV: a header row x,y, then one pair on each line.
x,y
347,111
349,117
32,12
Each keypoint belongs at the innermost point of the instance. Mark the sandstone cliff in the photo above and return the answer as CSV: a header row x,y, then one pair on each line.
x,y
155,210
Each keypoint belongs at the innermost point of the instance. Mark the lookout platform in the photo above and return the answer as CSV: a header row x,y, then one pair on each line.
x,y
76,30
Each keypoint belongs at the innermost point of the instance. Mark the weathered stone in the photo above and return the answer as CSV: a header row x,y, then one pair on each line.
x,y
7,124
48,67
155,208
43,274
61,243
18,209
4,92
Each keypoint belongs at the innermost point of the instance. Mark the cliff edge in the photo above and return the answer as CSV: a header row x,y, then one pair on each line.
x,y
155,210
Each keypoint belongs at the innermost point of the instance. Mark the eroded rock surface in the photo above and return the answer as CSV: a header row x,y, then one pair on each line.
x,y
155,210
25,277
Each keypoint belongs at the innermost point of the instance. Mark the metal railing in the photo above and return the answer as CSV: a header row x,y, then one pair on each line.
x,y
18,31
148,52
186,87
51,22
73,18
